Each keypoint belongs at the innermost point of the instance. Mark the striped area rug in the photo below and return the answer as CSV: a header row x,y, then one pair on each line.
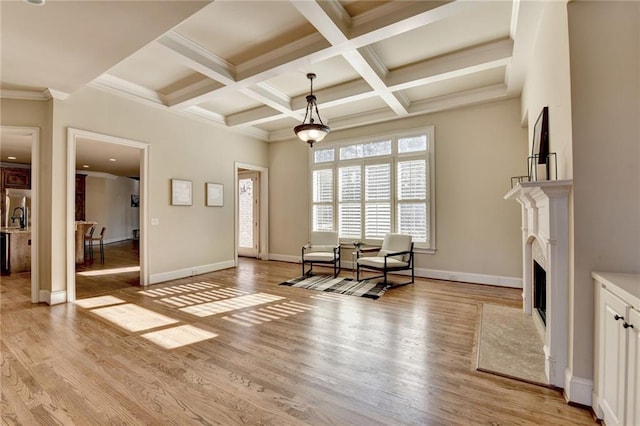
x,y
372,289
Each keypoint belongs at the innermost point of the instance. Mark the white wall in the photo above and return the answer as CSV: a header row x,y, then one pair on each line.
x,y
478,149
548,84
108,202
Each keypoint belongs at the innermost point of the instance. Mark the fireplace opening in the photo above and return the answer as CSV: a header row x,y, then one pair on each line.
x,y
540,291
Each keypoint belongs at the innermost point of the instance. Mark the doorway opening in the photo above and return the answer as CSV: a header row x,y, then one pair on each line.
x,y
116,201
251,211
248,213
23,143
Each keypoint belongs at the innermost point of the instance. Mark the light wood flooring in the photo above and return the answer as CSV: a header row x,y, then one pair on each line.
x,y
234,347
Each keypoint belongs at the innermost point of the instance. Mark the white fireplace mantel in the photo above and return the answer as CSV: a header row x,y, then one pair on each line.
x,y
545,223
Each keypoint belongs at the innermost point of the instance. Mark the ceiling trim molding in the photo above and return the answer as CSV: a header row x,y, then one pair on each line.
x,y
120,86
25,95
56,94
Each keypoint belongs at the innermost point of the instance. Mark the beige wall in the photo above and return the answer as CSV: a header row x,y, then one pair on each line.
x,y
477,150
187,237
605,95
36,114
108,202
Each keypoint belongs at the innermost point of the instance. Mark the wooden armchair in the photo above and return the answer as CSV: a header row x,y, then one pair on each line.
x,y
323,249
396,254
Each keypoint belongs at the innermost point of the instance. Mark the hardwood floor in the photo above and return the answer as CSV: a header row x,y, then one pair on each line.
x,y
260,353
118,271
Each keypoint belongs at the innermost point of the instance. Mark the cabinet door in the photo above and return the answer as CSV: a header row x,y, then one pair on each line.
x,y
633,367
612,358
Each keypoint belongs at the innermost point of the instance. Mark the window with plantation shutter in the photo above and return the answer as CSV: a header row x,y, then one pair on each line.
x,y
367,189
349,202
412,198
377,213
322,200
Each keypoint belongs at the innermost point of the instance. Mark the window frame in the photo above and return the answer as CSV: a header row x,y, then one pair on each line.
x,y
425,247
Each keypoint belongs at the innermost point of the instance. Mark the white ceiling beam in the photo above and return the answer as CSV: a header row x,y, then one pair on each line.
x,y
455,100
197,58
251,117
476,59
333,32
193,90
398,17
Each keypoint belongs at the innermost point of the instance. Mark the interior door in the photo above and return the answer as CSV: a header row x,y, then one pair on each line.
x,y
248,213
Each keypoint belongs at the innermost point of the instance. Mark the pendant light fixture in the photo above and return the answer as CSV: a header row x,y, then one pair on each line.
x,y
311,132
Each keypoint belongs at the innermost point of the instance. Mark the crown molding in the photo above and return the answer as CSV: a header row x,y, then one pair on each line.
x,y
120,86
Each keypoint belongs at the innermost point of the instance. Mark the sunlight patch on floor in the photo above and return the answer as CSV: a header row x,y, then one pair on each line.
x,y
179,336
109,271
221,306
177,289
268,313
96,302
201,297
133,317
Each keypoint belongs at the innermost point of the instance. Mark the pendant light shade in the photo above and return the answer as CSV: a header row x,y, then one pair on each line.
x,y
310,131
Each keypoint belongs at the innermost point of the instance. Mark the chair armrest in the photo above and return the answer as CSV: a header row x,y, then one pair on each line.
x,y
369,249
360,250
397,253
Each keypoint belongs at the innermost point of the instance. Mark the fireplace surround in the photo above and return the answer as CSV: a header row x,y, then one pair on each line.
x,y
545,241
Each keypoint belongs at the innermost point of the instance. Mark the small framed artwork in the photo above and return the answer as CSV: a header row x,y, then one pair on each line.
x,y
181,192
215,194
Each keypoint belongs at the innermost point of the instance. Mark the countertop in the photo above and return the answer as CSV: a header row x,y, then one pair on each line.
x,y
15,230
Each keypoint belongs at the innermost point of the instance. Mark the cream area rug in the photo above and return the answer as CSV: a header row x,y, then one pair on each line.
x,y
510,345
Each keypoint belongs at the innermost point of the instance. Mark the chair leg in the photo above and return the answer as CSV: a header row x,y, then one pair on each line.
x,y
101,252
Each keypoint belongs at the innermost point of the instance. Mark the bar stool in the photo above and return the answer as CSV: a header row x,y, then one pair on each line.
x,y
99,238
87,241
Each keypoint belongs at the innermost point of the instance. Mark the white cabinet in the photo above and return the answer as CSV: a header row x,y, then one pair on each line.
x,y
633,367
617,350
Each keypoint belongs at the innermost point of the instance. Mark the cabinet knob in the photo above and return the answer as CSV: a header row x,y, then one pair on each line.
x,y
627,325
618,317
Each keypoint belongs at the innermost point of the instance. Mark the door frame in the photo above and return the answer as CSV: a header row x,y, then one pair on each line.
x,y
72,136
263,249
256,208
34,132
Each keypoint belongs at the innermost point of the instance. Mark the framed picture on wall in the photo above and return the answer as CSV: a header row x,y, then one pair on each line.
x,y
181,192
215,194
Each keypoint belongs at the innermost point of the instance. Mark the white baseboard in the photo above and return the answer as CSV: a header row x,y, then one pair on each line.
x,y
577,389
52,297
189,272
284,258
595,405
466,277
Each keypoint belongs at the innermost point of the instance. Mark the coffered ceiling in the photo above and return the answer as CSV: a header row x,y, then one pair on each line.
x,y
243,64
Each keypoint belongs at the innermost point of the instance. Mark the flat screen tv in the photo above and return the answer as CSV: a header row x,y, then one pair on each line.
x,y
540,146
